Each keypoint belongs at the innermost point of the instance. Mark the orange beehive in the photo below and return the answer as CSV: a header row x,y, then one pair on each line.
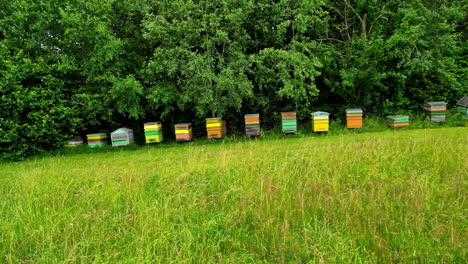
x,y
214,127
252,124
398,121
183,132
353,118
401,124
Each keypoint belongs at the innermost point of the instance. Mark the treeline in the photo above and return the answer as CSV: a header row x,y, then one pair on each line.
x,y
72,66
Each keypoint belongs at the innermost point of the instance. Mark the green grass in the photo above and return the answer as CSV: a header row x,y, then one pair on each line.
x,y
392,196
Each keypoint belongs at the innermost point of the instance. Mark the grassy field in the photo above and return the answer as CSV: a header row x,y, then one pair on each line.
x,y
394,196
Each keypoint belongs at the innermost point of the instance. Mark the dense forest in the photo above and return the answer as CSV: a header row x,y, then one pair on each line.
x,y
75,66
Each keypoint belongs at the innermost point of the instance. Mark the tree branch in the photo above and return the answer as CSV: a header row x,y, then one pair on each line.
x,y
354,10
381,15
361,18
332,39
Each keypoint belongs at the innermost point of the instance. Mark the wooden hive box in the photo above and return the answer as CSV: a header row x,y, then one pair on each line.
x,y
398,121
320,121
73,142
462,106
122,137
435,111
224,126
354,118
214,128
97,140
252,125
153,132
183,131
289,122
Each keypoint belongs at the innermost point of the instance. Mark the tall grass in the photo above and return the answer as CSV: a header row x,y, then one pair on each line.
x,y
393,196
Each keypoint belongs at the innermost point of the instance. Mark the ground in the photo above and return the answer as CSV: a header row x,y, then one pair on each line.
x,y
394,196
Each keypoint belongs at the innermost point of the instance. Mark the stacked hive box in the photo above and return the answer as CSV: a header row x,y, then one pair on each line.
x,y
462,106
354,118
289,122
122,137
252,125
214,127
73,142
320,121
153,132
435,111
183,132
398,121
224,127
97,140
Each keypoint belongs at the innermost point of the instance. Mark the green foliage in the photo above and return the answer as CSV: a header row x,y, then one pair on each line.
x,y
35,115
104,64
395,55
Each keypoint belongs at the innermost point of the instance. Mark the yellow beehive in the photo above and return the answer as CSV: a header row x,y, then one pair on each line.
x,y
153,132
320,122
214,127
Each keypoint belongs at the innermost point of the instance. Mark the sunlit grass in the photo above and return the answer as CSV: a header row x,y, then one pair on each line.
x,y
395,196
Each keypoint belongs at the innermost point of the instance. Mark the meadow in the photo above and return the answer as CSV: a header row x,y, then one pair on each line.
x,y
383,197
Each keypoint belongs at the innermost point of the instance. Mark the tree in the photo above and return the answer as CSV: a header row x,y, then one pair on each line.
x,y
199,58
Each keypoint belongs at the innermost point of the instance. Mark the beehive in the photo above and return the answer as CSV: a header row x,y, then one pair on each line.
x,y
224,127
435,111
183,132
153,132
122,137
73,142
398,121
214,128
289,122
252,125
320,121
354,118
462,106
97,140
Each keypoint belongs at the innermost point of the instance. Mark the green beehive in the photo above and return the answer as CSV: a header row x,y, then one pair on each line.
x,y
435,111
122,137
289,122
153,132
97,140
73,142
462,106
398,121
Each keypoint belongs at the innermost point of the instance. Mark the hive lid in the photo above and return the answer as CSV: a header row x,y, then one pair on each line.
x,y
436,103
152,123
214,118
122,130
397,116
357,110
319,113
463,102
96,134
75,138
183,124
252,115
